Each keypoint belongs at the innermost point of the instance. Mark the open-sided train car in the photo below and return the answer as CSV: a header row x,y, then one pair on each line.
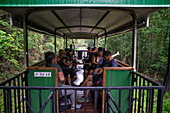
x,y
85,19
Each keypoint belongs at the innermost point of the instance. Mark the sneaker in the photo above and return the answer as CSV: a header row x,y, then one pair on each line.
x,y
78,106
83,99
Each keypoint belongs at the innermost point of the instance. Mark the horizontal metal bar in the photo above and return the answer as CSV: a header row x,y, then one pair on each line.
x,y
82,88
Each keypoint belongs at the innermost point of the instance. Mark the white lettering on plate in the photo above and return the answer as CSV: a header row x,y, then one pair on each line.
x,y
42,74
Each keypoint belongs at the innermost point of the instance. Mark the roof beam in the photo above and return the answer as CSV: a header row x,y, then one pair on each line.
x,y
80,26
100,20
58,17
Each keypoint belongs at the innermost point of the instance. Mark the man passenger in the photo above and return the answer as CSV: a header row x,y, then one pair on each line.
x,y
50,58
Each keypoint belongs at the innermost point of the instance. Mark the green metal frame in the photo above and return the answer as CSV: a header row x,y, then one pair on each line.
x,y
52,3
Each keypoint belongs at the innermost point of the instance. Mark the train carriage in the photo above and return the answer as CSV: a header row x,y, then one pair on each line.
x,y
86,19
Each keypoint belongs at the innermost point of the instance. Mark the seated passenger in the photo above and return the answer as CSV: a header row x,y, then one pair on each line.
x,y
65,65
51,62
97,60
97,77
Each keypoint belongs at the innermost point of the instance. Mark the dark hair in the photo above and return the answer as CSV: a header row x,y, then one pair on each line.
x,y
106,53
88,48
61,50
48,58
66,50
100,49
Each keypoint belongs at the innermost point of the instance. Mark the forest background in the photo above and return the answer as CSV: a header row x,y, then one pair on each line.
x,y
152,48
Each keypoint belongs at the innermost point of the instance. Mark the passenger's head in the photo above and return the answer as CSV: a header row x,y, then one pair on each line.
x,y
71,46
71,52
50,58
62,52
106,55
100,51
88,48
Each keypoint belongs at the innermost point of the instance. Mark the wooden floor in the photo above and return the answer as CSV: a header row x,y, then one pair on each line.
x,y
90,108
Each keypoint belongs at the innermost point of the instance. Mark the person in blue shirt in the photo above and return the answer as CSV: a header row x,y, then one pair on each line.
x,y
108,61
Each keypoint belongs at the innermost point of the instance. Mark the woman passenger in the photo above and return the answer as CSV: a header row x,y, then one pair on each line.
x,y
109,61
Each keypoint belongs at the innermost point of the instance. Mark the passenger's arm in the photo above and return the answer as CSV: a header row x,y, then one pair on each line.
x,y
100,71
61,76
116,54
93,60
66,63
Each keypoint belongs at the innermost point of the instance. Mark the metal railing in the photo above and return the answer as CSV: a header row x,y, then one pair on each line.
x,y
53,100
145,95
144,99
11,99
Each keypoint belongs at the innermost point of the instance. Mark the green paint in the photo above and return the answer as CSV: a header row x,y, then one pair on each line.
x,y
40,81
41,3
119,78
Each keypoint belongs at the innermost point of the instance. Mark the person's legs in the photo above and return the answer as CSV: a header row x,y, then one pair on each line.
x,y
69,92
91,71
89,78
85,73
69,79
89,83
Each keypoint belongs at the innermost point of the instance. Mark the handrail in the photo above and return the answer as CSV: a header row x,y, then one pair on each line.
x,y
150,80
5,82
82,88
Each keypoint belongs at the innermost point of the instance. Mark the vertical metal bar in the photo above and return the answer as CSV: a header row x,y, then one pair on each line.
x,y
95,100
18,91
139,100
143,95
25,40
130,100
97,42
8,108
52,102
105,44
15,97
152,100
55,100
26,91
65,100
120,93
23,109
134,41
136,93
66,42
94,41
160,100
132,92
147,98
75,110
29,100
55,43
5,102
85,102
10,98
40,100
108,100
